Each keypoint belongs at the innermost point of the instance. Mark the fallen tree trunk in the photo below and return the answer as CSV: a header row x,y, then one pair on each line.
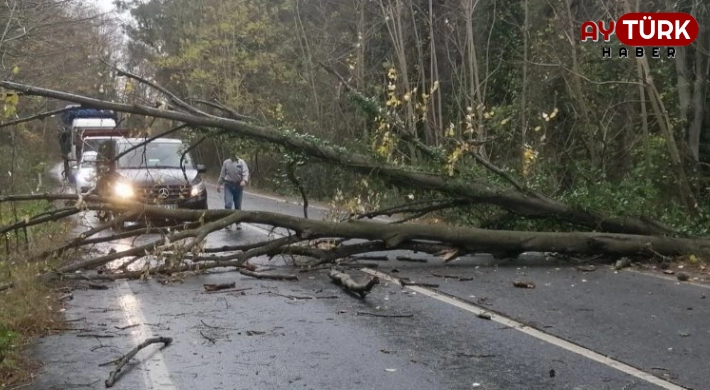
x,y
446,241
475,191
467,240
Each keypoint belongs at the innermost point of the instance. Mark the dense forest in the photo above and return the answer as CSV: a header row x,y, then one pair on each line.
x,y
448,87
55,44
486,91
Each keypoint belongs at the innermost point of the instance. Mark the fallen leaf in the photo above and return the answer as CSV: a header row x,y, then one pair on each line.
x,y
485,316
668,272
586,268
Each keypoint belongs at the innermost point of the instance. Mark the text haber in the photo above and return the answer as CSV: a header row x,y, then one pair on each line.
x,y
645,29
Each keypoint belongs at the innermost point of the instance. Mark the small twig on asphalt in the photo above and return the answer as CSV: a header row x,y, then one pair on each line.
x,y
412,259
523,284
96,286
294,297
363,313
459,278
472,355
123,360
371,258
216,327
220,286
126,327
405,282
66,296
259,275
210,339
98,336
227,291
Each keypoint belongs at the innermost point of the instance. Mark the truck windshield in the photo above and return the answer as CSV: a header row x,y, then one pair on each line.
x,y
154,154
88,160
93,144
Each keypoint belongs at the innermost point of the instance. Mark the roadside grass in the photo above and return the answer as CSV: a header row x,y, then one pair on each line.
x,y
30,308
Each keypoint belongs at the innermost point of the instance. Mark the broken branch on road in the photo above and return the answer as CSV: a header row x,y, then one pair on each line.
x,y
406,236
364,313
217,287
361,288
123,360
261,275
183,246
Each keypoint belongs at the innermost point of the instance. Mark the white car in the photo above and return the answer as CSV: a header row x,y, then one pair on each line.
x,y
85,173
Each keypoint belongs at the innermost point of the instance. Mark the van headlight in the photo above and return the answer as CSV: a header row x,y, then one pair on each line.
x,y
123,190
197,189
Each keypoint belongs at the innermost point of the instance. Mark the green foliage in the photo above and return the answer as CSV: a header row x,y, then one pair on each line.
x,y
7,337
585,141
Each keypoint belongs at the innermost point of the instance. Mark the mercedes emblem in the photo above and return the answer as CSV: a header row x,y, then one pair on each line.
x,y
163,193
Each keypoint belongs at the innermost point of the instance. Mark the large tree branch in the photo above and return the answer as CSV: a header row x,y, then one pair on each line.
x,y
471,189
232,113
39,116
173,98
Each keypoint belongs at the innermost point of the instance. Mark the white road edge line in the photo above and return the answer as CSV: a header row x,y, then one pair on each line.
x,y
155,373
280,200
666,278
548,338
588,353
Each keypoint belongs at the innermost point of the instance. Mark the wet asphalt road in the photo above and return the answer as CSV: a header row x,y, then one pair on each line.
x,y
310,335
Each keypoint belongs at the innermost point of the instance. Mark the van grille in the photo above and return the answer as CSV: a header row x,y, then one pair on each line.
x,y
156,194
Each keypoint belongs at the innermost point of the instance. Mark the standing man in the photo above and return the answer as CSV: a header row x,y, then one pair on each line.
x,y
234,176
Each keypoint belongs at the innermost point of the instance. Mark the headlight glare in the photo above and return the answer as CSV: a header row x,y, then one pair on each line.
x,y
123,190
197,189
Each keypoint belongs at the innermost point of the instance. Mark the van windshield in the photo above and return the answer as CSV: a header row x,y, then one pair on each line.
x,y
154,154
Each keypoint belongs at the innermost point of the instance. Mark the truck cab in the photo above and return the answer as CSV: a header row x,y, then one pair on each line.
x,y
80,123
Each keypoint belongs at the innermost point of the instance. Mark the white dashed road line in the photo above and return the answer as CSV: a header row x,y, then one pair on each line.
x,y
156,375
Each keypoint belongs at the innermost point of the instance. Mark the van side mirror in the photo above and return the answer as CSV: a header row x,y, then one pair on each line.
x,y
201,168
